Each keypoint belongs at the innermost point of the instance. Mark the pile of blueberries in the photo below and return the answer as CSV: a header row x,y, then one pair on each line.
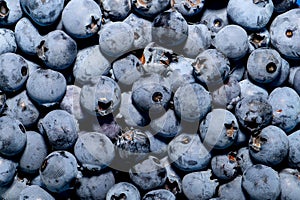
x,y
149,99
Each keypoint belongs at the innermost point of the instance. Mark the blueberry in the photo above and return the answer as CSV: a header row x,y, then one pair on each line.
x,y
89,65
284,34
159,194
116,10
281,6
192,102
44,13
133,146
199,185
238,69
148,174
242,139
233,48
32,66
294,152
224,167
141,29
150,9
169,29
211,67
57,50
253,113
95,187
123,190
215,19
71,102
227,95
187,152
289,182
34,153
102,97
8,41
258,39
151,92
21,108
166,126
61,129
158,146
34,192
13,72
27,36
130,114
294,79
189,8
244,159
11,12
81,18
94,151
58,171
8,169
116,38
285,103
46,87
251,89
198,40
127,70
219,129
12,136
264,65
261,182
251,15
270,146
232,190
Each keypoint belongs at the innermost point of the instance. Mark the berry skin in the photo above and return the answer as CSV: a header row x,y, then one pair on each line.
x,y
250,89
89,65
261,182
270,146
2,101
8,169
116,10
187,152
94,151
95,187
57,50
285,103
8,41
81,18
251,15
149,9
215,19
12,136
13,72
169,29
189,8
44,13
11,12
58,171
236,46
46,87
34,153
244,159
219,129
34,192
21,108
232,190
289,182
61,129
294,152
225,166
284,31
199,185
192,102
115,39
148,174
253,113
